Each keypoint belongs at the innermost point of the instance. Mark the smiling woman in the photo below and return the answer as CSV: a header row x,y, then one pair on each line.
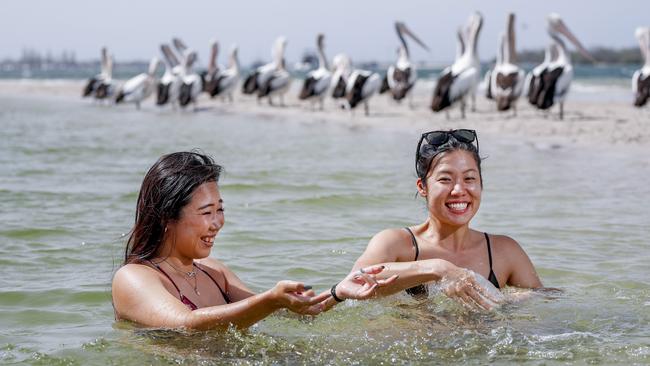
x,y
443,247
168,279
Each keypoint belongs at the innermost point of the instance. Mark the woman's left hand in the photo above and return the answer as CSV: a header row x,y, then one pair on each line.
x,y
361,284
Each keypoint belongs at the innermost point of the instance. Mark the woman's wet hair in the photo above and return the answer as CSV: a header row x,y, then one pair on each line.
x,y
451,145
167,188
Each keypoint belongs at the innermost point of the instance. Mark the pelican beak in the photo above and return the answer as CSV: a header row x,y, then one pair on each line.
x,y
408,32
560,27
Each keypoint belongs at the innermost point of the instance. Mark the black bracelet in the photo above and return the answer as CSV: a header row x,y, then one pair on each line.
x,y
333,293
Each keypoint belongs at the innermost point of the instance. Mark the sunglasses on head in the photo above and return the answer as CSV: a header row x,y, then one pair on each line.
x,y
434,139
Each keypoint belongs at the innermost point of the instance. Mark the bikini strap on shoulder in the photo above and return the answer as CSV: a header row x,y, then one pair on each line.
x,y
414,242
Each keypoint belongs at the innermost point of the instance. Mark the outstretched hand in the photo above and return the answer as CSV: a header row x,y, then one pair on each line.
x,y
471,289
297,298
362,284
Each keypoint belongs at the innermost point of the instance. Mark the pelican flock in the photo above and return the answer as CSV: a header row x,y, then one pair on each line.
x,y
641,77
401,76
546,85
460,80
552,84
506,81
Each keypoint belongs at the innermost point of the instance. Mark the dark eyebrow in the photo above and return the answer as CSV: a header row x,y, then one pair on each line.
x,y
450,172
208,205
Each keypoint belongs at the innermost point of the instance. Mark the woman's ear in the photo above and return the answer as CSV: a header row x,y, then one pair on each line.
x,y
422,189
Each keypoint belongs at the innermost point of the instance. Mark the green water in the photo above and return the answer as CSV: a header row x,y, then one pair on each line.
x,y
302,199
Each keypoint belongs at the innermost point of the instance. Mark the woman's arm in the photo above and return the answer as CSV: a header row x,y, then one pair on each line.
x,y
521,271
140,296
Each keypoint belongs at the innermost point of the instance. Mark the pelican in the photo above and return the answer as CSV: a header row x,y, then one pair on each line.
x,y
192,84
360,87
507,79
400,77
534,80
226,80
170,84
139,87
459,80
342,68
277,81
93,82
317,81
210,76
556,77
262,73
641,77
105,88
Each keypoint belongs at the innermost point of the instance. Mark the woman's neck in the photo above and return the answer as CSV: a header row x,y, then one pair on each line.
x,y
453,238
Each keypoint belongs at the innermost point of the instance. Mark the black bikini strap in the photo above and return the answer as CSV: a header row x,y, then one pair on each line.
x,y
487,238
415,244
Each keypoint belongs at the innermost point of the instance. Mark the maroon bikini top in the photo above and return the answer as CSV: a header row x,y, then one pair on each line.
x,y
184,299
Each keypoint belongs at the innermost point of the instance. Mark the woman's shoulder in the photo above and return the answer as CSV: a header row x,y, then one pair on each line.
x,y
133,271
505,246
391,237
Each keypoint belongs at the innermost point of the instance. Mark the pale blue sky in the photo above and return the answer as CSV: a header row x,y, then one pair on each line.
x,y
362,28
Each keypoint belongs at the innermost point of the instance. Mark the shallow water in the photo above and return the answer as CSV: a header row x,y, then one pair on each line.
x,y
302,200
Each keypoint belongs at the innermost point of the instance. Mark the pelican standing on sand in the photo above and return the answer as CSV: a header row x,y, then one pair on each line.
x,y
210,76
507,79
360,87
460,80
342,68
276,81
170,84
400,77
139,87
317,82
252,81
641,78
555,80
192,84
93,82
227,79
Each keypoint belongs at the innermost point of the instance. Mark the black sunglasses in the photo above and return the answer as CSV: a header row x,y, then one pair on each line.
x,y
435,139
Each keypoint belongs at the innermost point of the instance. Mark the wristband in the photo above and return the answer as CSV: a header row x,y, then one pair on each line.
x,y
333,293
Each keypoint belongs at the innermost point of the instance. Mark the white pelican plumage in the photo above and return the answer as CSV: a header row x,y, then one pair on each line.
x,y
92,83
252,81
139,87
210,76
507,79
192,84
533,83
317,82
401,76
170,83
555,80
641,77
459,80
342,68
360,87
276,81
226,79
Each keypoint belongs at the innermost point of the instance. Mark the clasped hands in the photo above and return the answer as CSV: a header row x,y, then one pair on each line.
x,y
358,285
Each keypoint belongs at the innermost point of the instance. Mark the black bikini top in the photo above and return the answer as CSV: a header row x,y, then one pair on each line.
x,y
421,290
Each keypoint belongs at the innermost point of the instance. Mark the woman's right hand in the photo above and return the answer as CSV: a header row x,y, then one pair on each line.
x,y
463,285
295,297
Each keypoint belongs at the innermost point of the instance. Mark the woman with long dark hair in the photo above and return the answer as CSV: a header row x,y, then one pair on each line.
x,y
168,279
471,265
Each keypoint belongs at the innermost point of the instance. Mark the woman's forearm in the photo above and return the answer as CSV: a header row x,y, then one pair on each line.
x,y
412,274
241,314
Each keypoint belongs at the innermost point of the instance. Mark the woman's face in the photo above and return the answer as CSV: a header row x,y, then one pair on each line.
x,y
192,235
452,188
